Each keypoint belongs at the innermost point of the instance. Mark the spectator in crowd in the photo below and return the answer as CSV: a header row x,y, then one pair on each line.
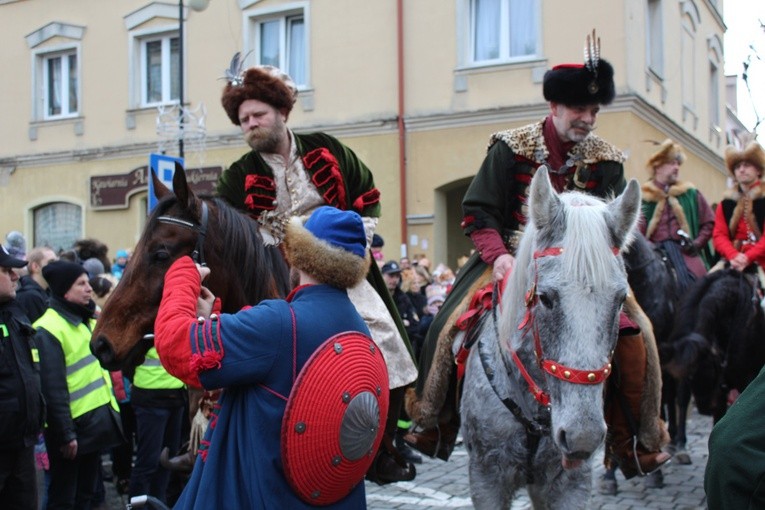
x,y
32,294
120,262
21,411
82,414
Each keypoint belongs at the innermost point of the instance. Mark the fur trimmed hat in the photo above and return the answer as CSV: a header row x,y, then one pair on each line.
x,y
752,153
577,85
61,275
668,151
264,83
330,246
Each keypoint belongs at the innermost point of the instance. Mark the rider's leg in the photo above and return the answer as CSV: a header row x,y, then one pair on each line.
x,y
623,409
389,466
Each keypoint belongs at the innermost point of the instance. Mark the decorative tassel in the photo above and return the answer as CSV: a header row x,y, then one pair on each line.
x,y
206,361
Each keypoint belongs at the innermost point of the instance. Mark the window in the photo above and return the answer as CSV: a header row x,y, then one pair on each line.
x,y
280,39
503,30
58,225
55,50
688,65
60,75
159,70
714,95
655,38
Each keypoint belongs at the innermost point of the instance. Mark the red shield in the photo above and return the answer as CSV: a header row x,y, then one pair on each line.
x,y
335,418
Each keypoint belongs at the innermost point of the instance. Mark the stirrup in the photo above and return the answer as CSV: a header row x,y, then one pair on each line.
x,y
634,467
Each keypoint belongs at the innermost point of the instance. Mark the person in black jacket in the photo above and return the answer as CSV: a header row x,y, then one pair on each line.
x,y
21,402
32,294
82,413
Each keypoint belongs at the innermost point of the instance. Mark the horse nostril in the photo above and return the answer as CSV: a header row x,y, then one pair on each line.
x,y
102,350
562,440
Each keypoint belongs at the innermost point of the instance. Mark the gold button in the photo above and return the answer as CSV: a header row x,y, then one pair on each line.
x,y
591,377
567,374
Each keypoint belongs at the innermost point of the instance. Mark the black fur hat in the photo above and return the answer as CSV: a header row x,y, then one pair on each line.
x,y
577,85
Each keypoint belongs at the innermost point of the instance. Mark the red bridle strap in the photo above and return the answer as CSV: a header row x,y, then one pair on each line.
x,y
574,375
562,372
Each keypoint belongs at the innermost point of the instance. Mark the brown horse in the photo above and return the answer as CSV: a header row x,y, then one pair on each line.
x,y
244,270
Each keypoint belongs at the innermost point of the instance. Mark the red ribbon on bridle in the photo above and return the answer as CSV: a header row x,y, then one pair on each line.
x,y
562,372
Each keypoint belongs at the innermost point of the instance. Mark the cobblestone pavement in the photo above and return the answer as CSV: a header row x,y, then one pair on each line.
x,y
444,485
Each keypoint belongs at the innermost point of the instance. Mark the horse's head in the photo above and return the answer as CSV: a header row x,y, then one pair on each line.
x,y
568,289
123,332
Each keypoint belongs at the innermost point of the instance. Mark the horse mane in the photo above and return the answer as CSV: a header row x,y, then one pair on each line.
x,y
717,302
242,244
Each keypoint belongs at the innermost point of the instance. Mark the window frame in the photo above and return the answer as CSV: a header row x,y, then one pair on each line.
x,y
42,89
467,40
166,82
254,18
655,37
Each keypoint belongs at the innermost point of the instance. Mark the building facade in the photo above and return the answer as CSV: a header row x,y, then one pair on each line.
x,y
414,87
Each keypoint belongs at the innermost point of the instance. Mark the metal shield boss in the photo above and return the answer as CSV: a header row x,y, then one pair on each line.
x,y
335,418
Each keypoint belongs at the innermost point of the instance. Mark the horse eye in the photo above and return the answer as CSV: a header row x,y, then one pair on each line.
x,y
545,299
161,256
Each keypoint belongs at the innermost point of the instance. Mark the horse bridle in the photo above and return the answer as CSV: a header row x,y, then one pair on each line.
x,y
198,255
559,370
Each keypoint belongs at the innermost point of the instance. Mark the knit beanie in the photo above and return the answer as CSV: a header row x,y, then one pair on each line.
x,y
61,275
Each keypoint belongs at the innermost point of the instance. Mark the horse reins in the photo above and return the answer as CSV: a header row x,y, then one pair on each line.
x,y
198,255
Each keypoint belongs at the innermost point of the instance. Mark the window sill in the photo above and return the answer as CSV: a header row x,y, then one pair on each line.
x,y
500,66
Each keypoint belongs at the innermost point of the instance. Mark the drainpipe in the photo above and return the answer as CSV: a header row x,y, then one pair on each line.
x,y
401,125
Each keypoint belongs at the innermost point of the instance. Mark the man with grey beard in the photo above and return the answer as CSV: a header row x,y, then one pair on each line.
x,y
495,212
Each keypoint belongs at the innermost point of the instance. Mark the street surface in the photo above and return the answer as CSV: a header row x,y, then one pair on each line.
x,y
444,485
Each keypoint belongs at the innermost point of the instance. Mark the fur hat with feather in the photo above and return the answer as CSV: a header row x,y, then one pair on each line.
x,y
330,246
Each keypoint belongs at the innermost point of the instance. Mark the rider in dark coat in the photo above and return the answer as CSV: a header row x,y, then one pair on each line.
x,y
495,213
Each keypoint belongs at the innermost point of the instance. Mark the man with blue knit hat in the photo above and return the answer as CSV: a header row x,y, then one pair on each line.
x,y
265,359
495,213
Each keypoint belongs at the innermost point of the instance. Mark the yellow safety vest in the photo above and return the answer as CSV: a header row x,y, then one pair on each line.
x,y
89,385
151,375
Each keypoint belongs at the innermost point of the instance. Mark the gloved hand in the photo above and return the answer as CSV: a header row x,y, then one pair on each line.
x,y
689,248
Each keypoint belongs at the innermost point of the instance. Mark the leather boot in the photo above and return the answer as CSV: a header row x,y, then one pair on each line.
x,y
622,411
389,465
436,442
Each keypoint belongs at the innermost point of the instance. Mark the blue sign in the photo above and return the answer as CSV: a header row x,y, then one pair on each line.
x,y
164,167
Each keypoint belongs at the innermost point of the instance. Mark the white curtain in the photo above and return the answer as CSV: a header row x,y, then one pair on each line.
x,y
54,86
296,67
269,43
523,27
486,27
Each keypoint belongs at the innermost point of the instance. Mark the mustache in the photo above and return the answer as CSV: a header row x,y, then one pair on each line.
x,y
583,126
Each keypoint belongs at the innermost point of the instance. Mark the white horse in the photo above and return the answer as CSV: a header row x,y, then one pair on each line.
x,y
532,404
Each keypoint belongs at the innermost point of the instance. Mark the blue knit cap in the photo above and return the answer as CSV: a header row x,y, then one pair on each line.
x,y
343,229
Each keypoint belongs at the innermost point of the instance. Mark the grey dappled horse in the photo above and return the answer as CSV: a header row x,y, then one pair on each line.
x,y
532,404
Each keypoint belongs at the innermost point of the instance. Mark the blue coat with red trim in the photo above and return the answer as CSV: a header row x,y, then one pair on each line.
x,y
250,355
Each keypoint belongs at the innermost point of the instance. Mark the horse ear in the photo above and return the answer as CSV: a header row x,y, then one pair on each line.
x,y
182,189
545,203
160,190
625,212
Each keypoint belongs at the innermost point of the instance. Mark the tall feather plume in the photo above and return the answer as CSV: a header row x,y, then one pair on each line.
x,y
592,52
234,74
